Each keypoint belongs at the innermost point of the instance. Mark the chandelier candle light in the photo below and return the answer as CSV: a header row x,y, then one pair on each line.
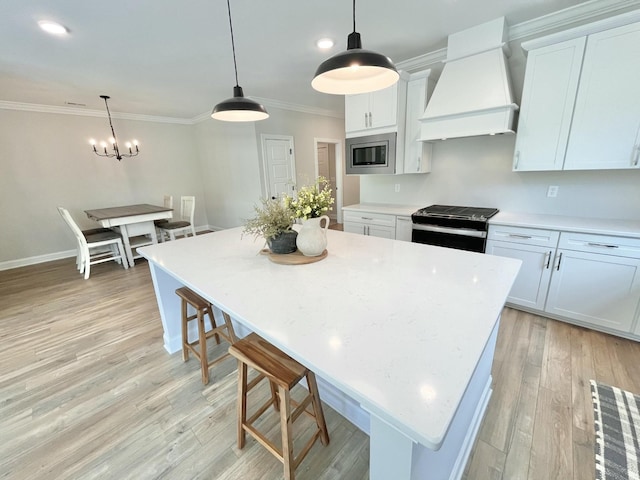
x,y
131,146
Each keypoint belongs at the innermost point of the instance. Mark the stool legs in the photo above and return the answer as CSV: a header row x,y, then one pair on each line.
x,y
202,308
202,339
287,437
317,408
242,403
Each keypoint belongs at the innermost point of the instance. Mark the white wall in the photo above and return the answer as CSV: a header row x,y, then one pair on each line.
x,y
477,172
229,170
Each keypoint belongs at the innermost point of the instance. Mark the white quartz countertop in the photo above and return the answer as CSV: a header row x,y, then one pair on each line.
x,y
601,226
398,326
383,208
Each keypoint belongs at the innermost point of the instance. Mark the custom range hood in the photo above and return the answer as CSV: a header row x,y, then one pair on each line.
x,y
473,95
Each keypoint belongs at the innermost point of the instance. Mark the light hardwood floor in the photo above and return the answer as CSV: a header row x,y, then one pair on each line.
x,y
87,391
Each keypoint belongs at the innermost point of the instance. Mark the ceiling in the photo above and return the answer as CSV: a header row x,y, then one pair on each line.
x,y
173,58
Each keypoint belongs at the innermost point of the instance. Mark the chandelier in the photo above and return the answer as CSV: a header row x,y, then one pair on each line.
x,y
115,149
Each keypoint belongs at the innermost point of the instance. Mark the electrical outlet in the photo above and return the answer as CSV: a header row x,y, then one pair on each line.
x,y
397,188
552,191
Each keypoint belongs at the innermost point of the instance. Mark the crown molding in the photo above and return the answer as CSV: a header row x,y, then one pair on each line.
x,y
34,107
269,102
581,13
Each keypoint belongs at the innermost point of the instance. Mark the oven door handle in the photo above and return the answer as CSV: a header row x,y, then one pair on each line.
x,y
453,231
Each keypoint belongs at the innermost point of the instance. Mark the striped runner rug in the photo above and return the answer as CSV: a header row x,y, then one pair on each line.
x,y
617,426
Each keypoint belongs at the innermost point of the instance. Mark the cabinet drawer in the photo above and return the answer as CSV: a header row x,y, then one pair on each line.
x,y
379,219
527,236
609,245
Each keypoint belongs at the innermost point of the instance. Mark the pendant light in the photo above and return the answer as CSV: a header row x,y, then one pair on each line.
x,y
238,108
355,70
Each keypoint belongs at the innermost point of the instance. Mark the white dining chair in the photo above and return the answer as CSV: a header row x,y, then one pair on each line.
x,y
167,203
185,224
94,248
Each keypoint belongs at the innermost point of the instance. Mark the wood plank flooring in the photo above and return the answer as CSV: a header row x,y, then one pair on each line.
x,y
87,391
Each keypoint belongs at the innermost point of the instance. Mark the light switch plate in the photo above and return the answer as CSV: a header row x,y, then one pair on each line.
x,y
552,191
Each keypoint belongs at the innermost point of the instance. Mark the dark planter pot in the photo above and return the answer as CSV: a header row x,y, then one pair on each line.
x,y
283,243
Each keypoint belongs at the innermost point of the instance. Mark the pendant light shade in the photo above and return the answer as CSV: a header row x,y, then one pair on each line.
x,y
355,70
238,108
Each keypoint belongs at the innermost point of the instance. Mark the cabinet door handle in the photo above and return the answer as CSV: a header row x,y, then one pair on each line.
x,y
559,260
603,245
366,119
418,165
516,159
635,155
370,119
548,258
367,227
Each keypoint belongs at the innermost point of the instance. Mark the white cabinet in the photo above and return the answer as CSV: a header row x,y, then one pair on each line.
x,y
580,103
535,248
417,154
404,228
548,96
601,289
606,122
593,280
374,112
374,224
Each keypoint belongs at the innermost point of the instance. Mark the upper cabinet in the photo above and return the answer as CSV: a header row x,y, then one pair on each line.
x,y
580,103
375,112
417,154
548,97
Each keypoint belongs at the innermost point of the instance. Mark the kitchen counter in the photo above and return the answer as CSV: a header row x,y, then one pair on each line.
x,y
405,330
402,210
600,226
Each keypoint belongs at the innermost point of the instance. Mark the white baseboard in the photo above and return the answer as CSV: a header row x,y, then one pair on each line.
x,y
49,257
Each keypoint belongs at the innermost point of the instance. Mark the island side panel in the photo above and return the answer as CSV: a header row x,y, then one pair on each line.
x,y
449,461
165,286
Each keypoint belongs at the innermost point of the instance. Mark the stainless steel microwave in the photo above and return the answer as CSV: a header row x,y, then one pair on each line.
x,y
371,154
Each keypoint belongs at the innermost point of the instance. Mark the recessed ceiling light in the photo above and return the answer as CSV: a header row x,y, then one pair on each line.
x,y
325,43
53,27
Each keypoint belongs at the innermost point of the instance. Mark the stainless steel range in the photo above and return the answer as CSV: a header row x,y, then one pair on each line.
x,y
464,228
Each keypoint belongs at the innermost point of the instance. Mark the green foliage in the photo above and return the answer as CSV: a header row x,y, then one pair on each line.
x,y
271,218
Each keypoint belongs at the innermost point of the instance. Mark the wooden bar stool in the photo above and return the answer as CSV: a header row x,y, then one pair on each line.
x,y
283,373
202,307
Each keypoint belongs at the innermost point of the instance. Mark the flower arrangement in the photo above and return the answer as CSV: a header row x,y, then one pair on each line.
x,y
272,218
312,200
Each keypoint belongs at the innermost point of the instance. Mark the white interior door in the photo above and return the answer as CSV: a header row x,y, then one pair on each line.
x,y
279,165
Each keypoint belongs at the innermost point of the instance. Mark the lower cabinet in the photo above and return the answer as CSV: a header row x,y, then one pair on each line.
x,y
593,280
374,224
404,228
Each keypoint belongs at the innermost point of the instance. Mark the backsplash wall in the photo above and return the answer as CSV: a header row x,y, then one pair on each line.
x,y
477,172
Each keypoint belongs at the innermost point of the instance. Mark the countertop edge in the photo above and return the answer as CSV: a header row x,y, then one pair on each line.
x,y
597,226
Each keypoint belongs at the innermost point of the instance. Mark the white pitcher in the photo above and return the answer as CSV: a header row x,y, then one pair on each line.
x,y
312,237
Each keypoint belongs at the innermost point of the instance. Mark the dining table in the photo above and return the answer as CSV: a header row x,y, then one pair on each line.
x,y
135,223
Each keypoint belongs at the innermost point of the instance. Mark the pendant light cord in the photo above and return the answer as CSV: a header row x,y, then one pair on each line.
x,y
110,123
233,45
354,15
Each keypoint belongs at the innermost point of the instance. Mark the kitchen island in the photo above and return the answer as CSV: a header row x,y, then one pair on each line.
x,y
400,335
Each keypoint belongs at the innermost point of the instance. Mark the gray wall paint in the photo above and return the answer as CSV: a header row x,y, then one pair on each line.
x,y
46,162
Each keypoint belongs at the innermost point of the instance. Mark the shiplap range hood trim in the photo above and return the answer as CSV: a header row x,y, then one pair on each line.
x,y
473,95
